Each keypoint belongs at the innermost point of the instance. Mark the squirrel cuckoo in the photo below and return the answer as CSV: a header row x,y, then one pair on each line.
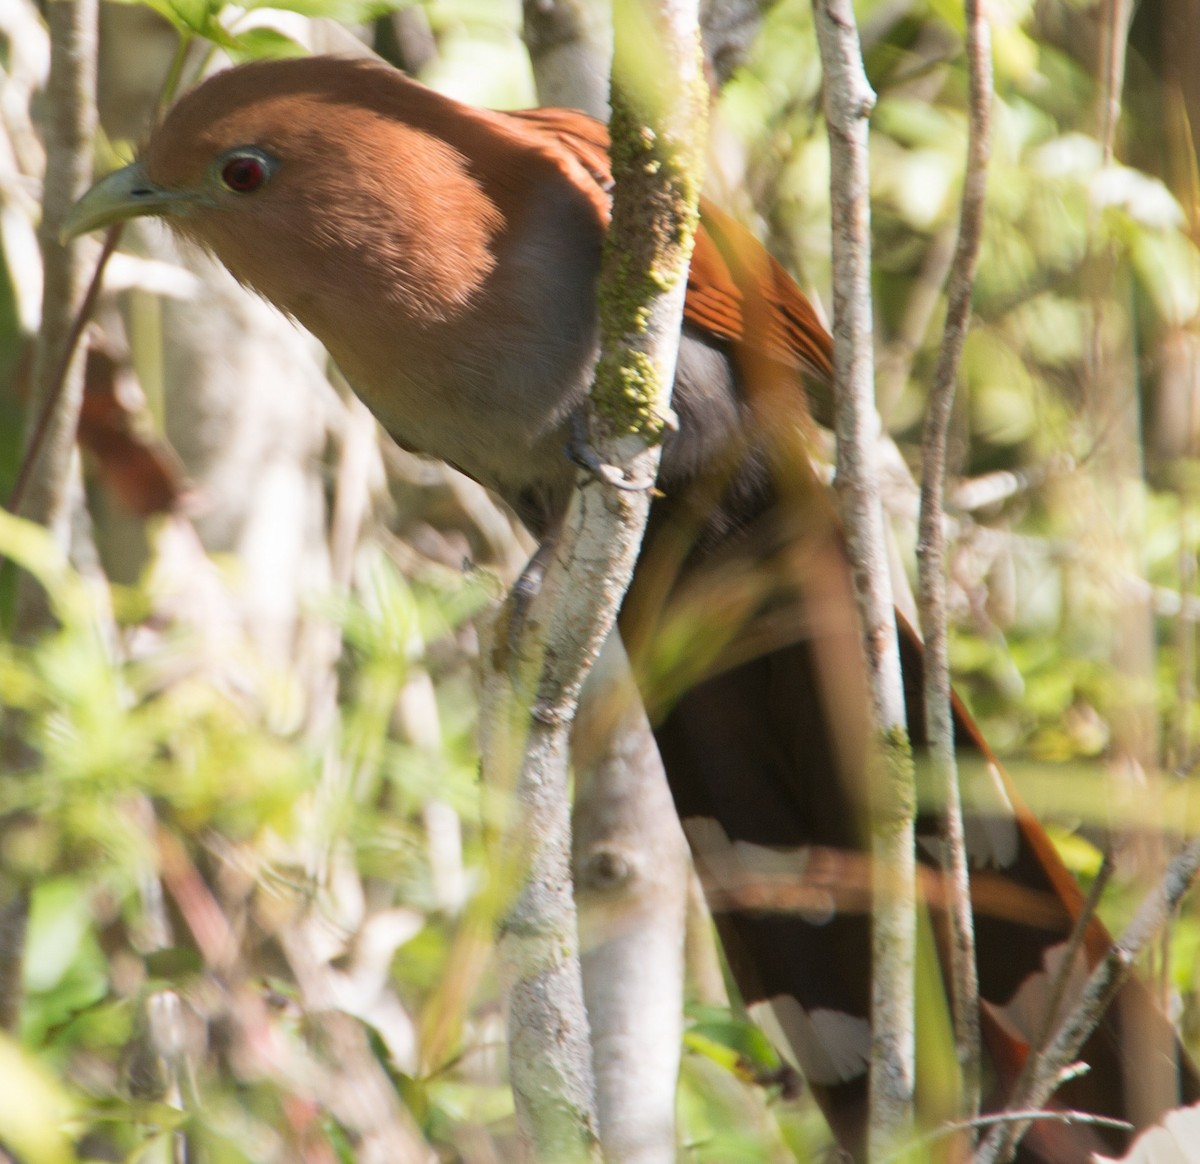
x,y
447,258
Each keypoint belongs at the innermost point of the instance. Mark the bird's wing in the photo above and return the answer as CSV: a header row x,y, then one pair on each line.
x,y
726,257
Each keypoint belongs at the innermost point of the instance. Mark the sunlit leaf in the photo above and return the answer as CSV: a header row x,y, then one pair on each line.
x,y
33,1108
256,44
32,548
1144,198
343,11
1169,267
1078,853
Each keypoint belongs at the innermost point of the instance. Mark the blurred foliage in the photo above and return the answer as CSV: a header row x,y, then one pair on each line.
x,y
213,877
150,766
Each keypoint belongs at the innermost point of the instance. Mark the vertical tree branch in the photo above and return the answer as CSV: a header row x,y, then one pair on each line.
x,y
70,127
1114,33
848,104
630,859
1113,388
631,882
538,948
659,100
939,719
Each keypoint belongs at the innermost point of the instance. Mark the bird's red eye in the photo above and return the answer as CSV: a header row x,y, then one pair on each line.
x,y
244,174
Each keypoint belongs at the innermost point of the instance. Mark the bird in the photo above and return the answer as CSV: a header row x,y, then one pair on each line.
x,y
447,256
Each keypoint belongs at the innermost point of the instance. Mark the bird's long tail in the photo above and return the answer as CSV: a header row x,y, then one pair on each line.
x,y
767,759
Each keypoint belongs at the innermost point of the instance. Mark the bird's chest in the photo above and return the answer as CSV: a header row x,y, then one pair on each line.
x,y
485,379
496,412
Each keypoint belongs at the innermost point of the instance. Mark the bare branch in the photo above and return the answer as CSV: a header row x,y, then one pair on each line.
x,y
70,129
570,45
630,859
848,104
1030,1114
1019,1099
931,552
631,882
657,163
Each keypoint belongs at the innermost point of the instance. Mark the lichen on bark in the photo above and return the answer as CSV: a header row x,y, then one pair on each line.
x,y
647,249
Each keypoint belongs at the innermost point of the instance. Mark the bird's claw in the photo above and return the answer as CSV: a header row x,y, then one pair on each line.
x,y
587,459
581,453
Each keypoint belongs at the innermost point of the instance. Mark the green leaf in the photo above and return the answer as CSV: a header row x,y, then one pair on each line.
x,y
737,1045
173,962
191,17
343,11
262,44
1168,267
193,14
1078,853
59,922
33,549
33,1108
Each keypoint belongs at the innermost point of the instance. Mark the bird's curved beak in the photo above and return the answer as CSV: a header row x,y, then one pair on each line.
x,y
125,193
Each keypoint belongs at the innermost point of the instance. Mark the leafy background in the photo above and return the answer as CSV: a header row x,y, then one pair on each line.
x,y
240,772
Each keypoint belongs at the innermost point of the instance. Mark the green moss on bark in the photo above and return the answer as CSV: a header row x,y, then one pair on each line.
x,y
645,257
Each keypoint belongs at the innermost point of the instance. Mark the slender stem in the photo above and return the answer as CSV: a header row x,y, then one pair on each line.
x,y
54,387
849,100
657,152
57,388
170,85
58,379
939,719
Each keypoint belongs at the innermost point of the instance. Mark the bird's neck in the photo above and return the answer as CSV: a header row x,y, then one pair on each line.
x,y
484,377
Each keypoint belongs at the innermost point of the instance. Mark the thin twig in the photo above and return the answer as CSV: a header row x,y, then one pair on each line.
x,y
1066,1116
55,386
69,126
1106,980
931,552
1062,979
1115,33
848,104
659,101
1019,1098
52,393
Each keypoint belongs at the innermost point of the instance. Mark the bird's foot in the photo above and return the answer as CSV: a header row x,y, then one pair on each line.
x,y
581,453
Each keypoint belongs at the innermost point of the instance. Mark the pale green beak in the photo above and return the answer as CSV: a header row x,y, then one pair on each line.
x,y
125,193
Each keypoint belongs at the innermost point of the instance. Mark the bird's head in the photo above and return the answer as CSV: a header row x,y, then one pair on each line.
x,y
301,174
